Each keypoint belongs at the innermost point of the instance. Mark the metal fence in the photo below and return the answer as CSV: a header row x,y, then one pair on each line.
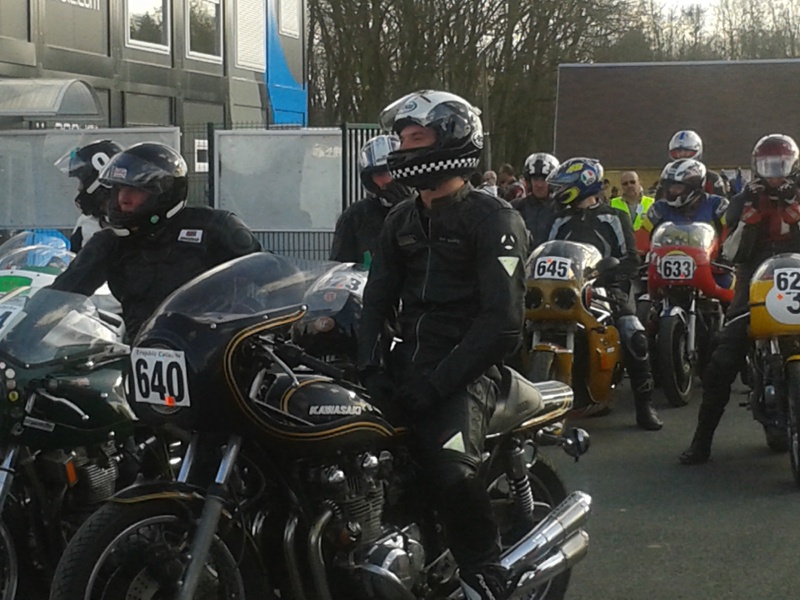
x,y
311,245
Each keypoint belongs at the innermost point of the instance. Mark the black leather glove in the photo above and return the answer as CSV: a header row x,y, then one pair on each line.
x,y
378,383
787,192
418,395
753,190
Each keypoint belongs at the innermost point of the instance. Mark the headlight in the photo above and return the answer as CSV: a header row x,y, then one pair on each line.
x,y
533,298
565,298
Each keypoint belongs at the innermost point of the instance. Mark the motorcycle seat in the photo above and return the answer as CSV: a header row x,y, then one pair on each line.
x,y
519,401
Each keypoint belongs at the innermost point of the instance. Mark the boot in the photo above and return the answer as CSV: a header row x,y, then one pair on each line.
x,y
488,582
646,415
699,451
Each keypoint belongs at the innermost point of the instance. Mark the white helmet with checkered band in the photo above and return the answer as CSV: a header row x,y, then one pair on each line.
x,y
459,138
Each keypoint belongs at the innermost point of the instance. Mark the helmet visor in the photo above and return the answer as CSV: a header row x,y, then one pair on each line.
x,y
73,165
133,171
775,166
374,153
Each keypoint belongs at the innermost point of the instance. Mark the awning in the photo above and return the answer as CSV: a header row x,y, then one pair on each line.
x,y
45,98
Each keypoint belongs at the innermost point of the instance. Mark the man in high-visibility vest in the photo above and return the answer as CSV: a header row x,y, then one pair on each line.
x,y
635,204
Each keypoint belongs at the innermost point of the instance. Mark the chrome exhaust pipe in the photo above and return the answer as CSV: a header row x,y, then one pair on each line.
x,y
554,530
562,559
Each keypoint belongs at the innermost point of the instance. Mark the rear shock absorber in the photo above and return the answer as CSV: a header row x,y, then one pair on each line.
x,y
519,483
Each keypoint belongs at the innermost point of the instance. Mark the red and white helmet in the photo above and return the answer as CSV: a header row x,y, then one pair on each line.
x,y
775,156
686,140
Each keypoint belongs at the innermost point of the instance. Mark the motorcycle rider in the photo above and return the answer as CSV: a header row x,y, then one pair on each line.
x,y
687,144
538,208
85,164
685,199
766,215
153,243
358,227
576,185
453,260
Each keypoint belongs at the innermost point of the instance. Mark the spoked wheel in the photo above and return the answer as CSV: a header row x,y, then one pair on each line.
x,y
548,492
138,551
675,366
793,385
9,565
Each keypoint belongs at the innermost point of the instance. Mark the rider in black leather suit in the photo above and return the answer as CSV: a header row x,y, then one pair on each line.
x,y
453,259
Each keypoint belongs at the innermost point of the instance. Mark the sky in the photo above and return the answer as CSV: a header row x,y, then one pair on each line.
x,y
682,3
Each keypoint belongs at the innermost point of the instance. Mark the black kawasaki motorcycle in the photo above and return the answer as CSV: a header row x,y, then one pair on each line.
x,y
293,484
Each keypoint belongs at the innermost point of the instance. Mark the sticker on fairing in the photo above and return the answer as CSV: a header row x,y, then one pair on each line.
x,y
159,377
783,299
553,267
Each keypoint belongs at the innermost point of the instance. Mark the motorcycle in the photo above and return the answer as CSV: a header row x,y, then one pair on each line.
x,y
328,330
685,305
570,335
34,261
67,435
294,484
774,361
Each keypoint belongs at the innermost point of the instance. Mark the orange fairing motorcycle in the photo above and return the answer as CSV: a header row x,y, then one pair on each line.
x,y
570,335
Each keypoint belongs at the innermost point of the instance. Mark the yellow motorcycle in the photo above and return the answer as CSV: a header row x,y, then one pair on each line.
x,y
774,362
570,335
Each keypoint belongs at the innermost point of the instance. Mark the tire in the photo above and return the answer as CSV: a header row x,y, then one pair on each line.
x,y
542,366
9,564
793,417
548,492
777,440
675,368
125,547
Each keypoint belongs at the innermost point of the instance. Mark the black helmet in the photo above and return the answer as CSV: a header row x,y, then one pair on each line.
x,y
459,138
85,163
154,168
688,172
372,159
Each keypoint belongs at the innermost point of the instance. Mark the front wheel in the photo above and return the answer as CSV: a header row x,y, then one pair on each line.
x,y
9,566
140,550
675,365
548,492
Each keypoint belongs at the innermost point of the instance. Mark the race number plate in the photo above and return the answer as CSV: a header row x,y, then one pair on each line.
x,y
783,300
352,282
159,377
7,314
676,266
552,267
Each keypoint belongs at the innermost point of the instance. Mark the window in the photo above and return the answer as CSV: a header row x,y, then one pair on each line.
x,y
148,24
205,28
251,35
290,15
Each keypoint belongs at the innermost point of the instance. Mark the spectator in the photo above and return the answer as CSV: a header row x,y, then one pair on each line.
x,y
510,188
489,182
635,204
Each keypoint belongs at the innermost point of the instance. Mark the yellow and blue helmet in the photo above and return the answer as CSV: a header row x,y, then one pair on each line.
x,y
576,179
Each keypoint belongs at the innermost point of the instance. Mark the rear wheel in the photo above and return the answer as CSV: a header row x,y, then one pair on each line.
x,y
675,365
140,550
548,492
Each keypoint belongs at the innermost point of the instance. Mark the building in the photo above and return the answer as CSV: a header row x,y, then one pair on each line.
x,y
162,62
624,114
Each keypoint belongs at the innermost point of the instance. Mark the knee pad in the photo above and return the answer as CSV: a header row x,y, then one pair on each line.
x,y
453,469
633,337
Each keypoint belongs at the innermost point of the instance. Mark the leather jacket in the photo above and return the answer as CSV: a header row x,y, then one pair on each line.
x,y
458,272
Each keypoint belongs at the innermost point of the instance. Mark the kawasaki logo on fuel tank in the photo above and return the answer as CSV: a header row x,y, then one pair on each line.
x,y
90,4
335,410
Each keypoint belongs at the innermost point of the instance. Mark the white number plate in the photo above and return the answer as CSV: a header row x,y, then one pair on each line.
x,y
678,266
159,377
783,300
553,267
352,282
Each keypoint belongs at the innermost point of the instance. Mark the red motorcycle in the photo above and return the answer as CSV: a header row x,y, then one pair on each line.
x,y
684,308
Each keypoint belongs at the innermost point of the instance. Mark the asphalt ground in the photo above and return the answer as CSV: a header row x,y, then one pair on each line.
x,y
727,529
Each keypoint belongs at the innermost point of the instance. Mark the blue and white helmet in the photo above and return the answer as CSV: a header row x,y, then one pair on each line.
x,y
686,139
576,179
459,138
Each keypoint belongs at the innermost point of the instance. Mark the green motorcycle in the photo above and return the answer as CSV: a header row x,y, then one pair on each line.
x,y
68,439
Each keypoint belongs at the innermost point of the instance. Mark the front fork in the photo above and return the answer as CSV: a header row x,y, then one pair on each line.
x,y
209,519
7,473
